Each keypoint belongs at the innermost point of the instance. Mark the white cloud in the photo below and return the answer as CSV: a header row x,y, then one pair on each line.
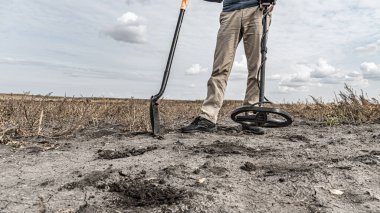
x,y
240,66
369,48
129,28
300,81
323,69
274,77
370,70
320,74
292,88
73,71
196,69
137,1
239,69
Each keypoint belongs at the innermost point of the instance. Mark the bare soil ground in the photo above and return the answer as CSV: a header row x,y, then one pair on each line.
x,y
308,167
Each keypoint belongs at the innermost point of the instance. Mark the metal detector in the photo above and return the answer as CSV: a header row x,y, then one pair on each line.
x,y
154,112
257,114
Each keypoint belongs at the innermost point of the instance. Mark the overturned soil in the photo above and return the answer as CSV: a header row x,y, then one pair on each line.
x,y
308,167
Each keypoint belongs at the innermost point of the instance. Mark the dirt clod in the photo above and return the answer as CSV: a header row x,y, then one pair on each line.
x,y
366,159
197,171
248,166
219,148
359,197
94,179
296,138
146,193
114,154
34,149
289,170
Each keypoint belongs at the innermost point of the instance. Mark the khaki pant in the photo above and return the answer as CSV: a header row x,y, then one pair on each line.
x,y
243,24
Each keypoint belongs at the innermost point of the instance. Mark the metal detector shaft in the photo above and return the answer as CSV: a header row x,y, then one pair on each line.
x,y
154,112
264,51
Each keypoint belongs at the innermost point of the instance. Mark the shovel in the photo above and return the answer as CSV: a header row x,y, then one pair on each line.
x,y
154,112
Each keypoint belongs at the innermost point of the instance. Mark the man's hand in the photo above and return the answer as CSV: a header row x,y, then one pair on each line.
x,y
270,8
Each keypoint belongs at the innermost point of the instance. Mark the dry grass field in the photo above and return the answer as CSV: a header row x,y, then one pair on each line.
x,y
59,117
97,155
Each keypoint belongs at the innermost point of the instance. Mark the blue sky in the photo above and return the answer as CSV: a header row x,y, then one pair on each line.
x,y
118,48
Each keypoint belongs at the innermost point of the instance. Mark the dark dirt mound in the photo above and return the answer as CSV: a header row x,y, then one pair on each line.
x,y
297,138
183,172
130,191
114,154
146,193
178,171
216,170
366,159
94,179
289,170
34,149
101,130
234,130
230,148
359,198
102,133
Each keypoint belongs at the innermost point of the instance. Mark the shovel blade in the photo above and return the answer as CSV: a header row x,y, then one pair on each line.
x,y
154,118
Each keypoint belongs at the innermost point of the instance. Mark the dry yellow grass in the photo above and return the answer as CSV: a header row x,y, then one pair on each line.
x,y
58,117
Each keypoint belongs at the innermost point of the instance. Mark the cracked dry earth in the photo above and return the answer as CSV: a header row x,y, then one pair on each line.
x,y
304,168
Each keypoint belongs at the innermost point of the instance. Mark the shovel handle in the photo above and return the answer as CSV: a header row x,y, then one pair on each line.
x,y
184,4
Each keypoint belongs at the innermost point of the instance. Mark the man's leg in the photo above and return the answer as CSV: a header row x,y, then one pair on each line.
x,y
252,27
229,36
252,36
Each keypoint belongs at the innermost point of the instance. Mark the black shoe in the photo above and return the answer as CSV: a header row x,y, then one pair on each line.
x,y
253,129
199,125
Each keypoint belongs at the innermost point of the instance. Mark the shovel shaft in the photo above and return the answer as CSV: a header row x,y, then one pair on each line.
x,y
171,56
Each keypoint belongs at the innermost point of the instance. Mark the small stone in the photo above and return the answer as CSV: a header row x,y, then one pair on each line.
x,y
197,171
206,165
248,166
336,192
202,180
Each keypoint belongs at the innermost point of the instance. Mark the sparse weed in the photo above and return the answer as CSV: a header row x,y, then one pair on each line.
x,y
332,121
